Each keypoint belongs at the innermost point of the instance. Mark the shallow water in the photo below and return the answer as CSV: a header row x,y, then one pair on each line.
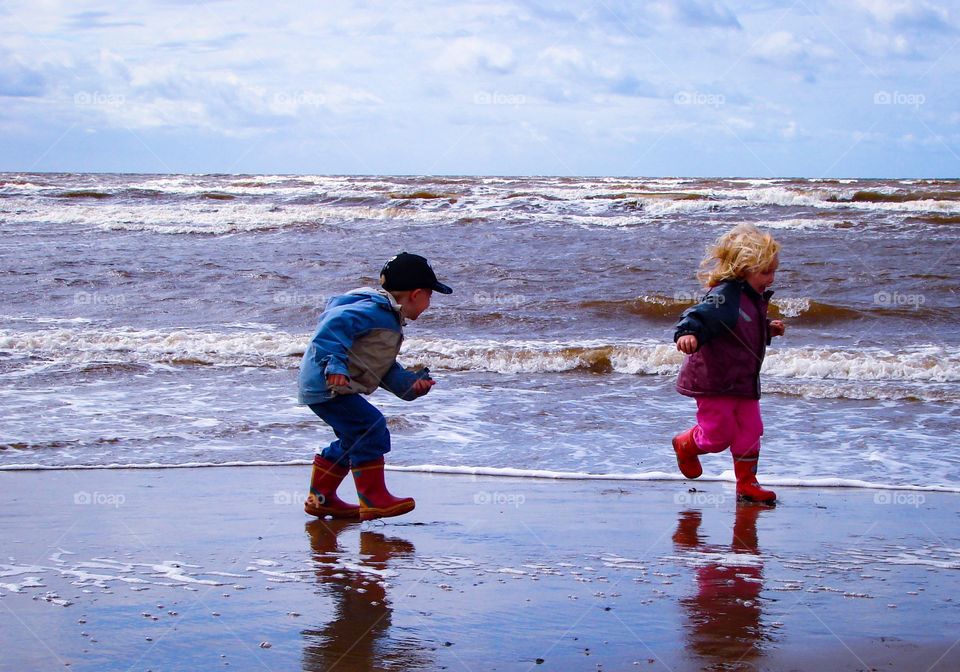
x,y
160,319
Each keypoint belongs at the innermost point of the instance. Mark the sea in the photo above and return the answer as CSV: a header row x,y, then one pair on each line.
x,y
157,321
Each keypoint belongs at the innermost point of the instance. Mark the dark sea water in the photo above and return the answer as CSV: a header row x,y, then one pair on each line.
x,y
159,319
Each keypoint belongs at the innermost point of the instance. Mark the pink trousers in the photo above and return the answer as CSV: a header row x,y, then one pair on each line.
x,y
728,422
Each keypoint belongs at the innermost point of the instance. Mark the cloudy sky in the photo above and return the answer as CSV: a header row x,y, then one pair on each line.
x,y
857,88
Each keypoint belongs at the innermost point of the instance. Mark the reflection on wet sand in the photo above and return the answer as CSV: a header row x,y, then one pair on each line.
x,y
358,636
723,625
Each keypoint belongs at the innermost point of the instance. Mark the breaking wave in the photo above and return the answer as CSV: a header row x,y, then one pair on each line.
x,y
82,347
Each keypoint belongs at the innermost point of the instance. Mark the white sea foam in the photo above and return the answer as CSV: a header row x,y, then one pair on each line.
x,y
799,224
831,198
223,217
277,201
925,363
705,558
920,363
792,306
126,345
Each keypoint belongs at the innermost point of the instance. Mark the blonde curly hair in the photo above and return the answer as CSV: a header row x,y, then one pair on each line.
x,y
741,250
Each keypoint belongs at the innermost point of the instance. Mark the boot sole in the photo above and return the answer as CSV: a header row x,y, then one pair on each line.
x,y
751,500
390,512
323,512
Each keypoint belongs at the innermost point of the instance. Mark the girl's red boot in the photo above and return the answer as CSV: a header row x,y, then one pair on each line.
x,y
322,500
375,500
687,454
748,489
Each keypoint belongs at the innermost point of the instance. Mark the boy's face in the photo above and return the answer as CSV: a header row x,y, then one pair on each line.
x,y
761,280
417,301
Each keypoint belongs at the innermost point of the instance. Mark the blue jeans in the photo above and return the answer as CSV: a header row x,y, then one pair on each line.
x,y
361,430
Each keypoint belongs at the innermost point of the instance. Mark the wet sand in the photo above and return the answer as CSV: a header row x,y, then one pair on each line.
x,y
218,568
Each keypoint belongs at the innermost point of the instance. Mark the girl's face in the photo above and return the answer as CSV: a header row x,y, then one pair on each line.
x,y
761,280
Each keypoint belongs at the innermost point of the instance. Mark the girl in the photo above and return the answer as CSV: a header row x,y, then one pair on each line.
x,y
726,336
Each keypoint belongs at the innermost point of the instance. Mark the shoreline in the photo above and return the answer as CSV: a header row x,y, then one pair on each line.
x,y
195,568
512,473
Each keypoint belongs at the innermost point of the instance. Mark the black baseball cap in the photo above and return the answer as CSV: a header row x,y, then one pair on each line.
x,y
410,271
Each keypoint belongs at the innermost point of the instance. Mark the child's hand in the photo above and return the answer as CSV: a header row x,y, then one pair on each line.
x,y
777,327
687,344
337,380
422,386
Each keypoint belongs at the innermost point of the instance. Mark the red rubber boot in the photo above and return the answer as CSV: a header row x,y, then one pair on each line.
x,y
748,489
375,500
687,454
322,500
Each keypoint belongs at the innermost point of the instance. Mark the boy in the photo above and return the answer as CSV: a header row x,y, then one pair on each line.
x,y
354,350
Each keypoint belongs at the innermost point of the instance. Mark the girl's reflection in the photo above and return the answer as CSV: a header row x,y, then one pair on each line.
x,y
724,623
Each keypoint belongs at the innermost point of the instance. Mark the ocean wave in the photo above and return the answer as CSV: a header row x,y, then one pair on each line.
x,y
867,196
97,195
216,218
193,347
923,363
801,310
926,363
509,472
220,206
836,198
185,347
936,219
423,195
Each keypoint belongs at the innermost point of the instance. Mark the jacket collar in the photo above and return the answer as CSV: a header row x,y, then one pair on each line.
x,y
393,304
380,292
746,287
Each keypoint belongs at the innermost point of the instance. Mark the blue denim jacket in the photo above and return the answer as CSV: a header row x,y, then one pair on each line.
x,y
358,335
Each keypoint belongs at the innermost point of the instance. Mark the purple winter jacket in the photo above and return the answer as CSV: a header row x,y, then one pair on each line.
x,y
733,333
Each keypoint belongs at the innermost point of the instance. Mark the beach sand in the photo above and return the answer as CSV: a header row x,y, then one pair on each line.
x,y
218,568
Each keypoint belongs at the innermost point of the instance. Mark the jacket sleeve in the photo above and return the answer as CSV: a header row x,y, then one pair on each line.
x,y
399,381
716,314
333,339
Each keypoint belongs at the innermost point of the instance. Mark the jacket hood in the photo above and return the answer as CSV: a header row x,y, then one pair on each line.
x,y
381,297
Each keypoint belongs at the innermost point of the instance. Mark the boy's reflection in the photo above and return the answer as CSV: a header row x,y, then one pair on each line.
x,y
724,617
357,637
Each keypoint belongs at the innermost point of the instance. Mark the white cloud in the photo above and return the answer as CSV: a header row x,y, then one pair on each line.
x,y
473,53
567,69
596,81
884,44
784,48
917,14
18,79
